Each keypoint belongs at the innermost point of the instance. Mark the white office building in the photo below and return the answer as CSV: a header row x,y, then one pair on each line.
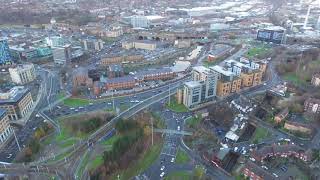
x,y
192,93
62,55
140,22
202,89
22,73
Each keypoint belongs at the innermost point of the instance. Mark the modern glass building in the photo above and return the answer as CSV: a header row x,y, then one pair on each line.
x,y
5,57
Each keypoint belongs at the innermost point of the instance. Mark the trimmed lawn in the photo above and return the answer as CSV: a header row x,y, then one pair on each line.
x,y
179,175
260,134
256,51
182,157
75,102
146,160
174,106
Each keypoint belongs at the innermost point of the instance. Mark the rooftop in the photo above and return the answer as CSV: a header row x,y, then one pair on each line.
x,y
13,95
115,67
120,79
222,70
201,69
2,112
192,84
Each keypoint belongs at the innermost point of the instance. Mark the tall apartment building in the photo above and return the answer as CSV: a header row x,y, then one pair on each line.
x,y
209,78
23,73
192,93
202,88
17,101
5,129
5,57
248,71
228,82
62,55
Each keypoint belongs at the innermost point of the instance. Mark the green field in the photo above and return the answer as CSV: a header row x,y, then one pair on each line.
x,y
174,106
179,175
182,157
257,51
76,102
260,134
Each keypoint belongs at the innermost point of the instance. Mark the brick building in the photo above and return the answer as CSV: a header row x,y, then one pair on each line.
x,y
127,82
115,70
281,151
80,77
155,74
121,59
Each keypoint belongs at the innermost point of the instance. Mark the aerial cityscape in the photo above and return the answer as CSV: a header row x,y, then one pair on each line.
x,y
166,89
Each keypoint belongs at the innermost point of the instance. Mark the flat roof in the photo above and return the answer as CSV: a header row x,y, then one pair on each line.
x,y
14,95
221,70
201,69
192,84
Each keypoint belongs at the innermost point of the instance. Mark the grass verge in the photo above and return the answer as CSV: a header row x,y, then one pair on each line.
x,y
182,157
174,106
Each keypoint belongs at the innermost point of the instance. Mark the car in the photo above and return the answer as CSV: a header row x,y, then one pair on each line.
x,y
109,103
178,128
162,174
9,156
275,175
37,115
252,159
81,107
235,149
71,108
284,169
90,104
265,167
162,168
172,160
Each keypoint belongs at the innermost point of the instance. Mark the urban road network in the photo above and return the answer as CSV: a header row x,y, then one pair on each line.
x,y
66,167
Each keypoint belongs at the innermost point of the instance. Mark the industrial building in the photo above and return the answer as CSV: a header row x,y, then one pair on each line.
x,y
22,73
